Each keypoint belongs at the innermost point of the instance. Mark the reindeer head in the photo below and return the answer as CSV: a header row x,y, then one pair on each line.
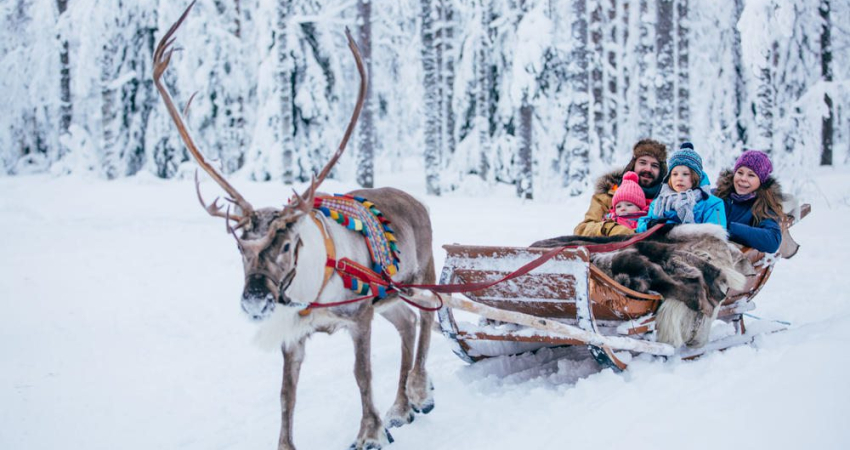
x,y
269,245
270,240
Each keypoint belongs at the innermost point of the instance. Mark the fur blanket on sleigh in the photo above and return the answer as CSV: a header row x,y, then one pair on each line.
x,y
692,266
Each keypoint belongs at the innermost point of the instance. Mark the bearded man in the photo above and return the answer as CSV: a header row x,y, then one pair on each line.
x,y
649,161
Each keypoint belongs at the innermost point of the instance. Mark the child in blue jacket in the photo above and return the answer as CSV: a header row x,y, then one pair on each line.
x,y
753,202
685,196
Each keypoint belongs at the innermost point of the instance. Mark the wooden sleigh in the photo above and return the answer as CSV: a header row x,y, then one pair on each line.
x,y
569,301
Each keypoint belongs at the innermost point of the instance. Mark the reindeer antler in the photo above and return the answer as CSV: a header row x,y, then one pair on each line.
x,y
161,58
305,202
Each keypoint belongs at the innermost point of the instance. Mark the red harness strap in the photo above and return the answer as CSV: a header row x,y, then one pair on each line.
x,y
593,248
349,270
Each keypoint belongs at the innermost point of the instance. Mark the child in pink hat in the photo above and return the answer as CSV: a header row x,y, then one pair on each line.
x,y
629,202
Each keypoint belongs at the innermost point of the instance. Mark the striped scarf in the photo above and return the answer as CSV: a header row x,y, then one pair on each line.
x,y
681,202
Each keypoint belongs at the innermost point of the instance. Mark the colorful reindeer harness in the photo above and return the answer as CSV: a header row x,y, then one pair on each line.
x,y
362,216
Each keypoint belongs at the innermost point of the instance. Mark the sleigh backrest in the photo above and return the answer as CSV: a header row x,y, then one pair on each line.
x,y
552,290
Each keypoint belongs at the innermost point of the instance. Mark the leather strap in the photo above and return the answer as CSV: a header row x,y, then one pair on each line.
x,y
330,250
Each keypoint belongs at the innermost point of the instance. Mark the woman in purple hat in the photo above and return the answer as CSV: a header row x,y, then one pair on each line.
x,y
753,202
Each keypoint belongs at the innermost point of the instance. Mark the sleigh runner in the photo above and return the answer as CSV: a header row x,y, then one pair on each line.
x,y
570,301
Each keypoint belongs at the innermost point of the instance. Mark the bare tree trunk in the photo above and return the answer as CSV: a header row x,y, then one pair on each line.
x,y
683,89
238,114
366,132
576,157
432,100
285,67
625,76
66,107
112,157
482,100
447,79
524,186
238,22
524,164
596,62
610,139
826,72
663,128
740,86
766,100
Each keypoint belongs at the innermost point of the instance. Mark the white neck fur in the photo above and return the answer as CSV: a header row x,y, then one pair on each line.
x,y
310,271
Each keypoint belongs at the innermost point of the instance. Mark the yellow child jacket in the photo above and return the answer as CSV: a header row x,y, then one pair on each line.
x,y
594,223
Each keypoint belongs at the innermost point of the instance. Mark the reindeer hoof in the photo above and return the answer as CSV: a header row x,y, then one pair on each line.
x,y
424,402
426,407
399,420
371,444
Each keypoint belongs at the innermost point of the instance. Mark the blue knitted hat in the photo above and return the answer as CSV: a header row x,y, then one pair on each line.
x,y
684,156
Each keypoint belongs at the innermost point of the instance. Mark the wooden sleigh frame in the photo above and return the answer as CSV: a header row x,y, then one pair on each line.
x,y
569,301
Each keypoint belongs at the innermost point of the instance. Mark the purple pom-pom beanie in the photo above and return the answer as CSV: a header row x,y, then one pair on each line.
x,y
756,161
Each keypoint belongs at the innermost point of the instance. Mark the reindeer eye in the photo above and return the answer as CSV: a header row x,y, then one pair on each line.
x,y
286,247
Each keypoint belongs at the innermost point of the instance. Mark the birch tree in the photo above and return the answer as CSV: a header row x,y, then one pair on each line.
x,y
596,69
285,67
826,72
483,88
366,131
740,80
446,58
66,107
683,89
433,150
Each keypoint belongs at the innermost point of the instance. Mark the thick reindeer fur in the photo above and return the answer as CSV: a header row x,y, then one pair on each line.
x,y
300,245
692,266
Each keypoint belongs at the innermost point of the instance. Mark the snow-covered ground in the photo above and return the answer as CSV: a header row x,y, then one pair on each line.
x,y
120,327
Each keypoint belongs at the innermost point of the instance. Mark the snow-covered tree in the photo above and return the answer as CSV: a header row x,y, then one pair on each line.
x,y
646,67
127,94
663,117
539,94
576,158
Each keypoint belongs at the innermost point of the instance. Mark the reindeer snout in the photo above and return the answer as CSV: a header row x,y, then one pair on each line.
x,y
257,301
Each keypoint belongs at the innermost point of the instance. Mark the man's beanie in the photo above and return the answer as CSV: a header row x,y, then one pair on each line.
x,y
756,161
685,156
649,147
629,191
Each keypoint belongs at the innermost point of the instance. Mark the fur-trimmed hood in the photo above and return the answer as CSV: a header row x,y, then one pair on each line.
x,y
606,182
725,185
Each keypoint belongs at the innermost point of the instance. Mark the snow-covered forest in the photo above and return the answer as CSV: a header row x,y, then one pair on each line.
x,y
539,94
120,317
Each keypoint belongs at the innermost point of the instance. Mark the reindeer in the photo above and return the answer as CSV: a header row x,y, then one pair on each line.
x,y
284,251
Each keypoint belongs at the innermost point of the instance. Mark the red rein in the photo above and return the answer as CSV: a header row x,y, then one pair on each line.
x,y
348,268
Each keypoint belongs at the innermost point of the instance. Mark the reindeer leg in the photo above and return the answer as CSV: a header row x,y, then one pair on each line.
x,y
293,356
404,321
419,386
372,435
